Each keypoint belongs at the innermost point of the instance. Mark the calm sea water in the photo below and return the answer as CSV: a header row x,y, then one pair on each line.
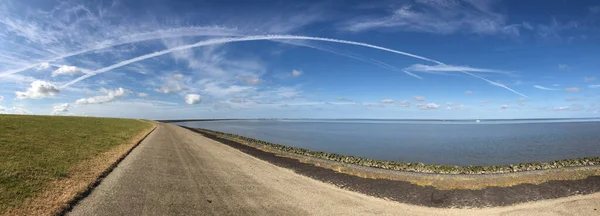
x,y
453,143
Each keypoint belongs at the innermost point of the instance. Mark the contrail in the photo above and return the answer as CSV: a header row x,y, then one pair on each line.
x,y
370,61
543,88
240,39
271,37
177,32
383,64
495,83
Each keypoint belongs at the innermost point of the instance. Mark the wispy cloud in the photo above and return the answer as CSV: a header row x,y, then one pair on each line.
x,y
296,73
564,67
404,103
419,98
174,88
468,92
572,107
544,88
142,94
594,86
387,101
428,106
456,106
274,37
442,17
343,99
589,79
572,89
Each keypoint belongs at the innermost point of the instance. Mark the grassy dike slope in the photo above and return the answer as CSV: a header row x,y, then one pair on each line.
x,y
45,161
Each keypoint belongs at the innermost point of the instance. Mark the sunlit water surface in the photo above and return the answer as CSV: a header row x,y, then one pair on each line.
x,y
430,142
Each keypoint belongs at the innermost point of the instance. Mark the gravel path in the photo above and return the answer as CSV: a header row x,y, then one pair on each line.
x,y
178,172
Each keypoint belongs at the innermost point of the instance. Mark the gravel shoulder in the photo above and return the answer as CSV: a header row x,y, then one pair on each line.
x,y
175,171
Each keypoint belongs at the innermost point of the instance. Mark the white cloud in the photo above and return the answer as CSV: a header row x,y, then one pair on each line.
x,y
66,70
543,88
573,107
20,110
387,101
1,98
483,103
296,73
450,68
563,67
561,108
594,86
192,98
178,76
142,94
404,103
455,106
218,90
111,95
468,92
572,89
504,107
252,80
171,89
2,110
43,66
60,109
286,93
589,79
428,106
442,17
343,99
419,98
38,89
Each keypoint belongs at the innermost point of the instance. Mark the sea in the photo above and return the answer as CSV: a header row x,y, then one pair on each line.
x,y
449,142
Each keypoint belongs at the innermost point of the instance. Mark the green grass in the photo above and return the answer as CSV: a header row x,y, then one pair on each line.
x,y
35,150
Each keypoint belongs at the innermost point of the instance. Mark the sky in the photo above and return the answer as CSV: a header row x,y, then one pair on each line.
x,y
413,59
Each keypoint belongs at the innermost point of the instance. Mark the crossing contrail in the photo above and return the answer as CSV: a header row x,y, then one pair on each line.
x,y
354,56
270,37
176,32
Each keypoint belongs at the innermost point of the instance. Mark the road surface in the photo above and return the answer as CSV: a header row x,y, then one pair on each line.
x,y
175,171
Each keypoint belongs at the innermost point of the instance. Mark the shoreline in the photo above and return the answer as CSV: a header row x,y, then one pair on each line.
x,y
423,194
415,167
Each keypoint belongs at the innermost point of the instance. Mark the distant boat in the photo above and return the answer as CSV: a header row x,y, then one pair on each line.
x,y
477,121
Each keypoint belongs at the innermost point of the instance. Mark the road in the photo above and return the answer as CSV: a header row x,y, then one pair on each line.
x,y
175,171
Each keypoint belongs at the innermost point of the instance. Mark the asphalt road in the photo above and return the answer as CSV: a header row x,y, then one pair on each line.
x,y
175,171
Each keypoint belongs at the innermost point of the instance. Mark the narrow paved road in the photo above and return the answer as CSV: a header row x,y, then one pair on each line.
x,y
178,172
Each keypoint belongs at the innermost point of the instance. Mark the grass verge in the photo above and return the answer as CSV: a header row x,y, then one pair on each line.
x,y
45,161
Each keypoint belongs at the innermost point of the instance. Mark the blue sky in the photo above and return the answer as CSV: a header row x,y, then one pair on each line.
x,y
304,59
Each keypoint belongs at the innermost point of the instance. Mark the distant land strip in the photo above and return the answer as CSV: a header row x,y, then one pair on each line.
x,y
359,119
426,189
